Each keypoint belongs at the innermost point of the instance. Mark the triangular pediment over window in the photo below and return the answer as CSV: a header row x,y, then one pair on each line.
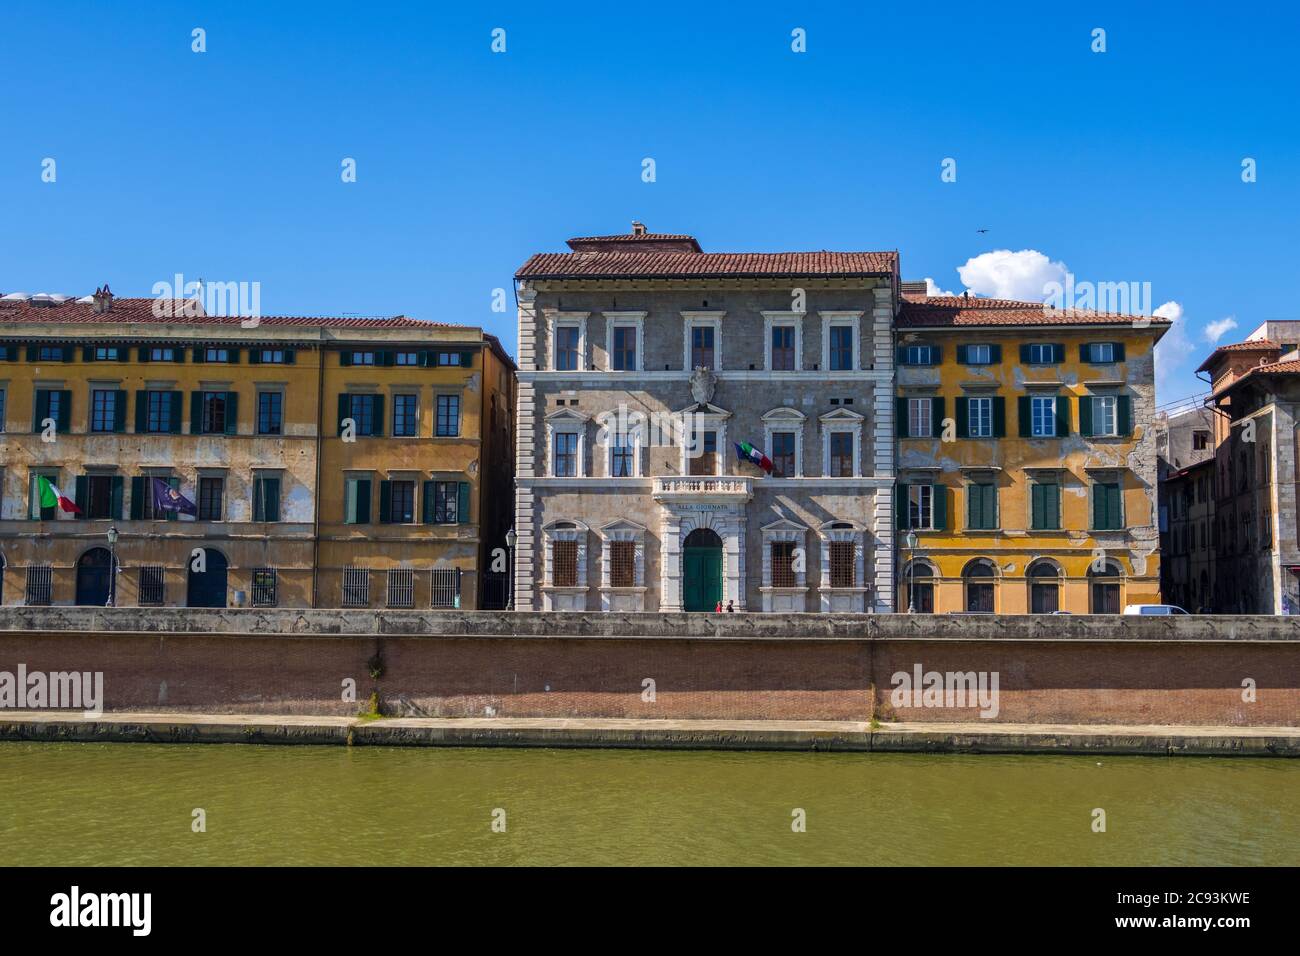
x,y
567,415
847,416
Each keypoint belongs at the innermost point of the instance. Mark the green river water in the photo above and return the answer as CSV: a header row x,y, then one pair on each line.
x,y
88,804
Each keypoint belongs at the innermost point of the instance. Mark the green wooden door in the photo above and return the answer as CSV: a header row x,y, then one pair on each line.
x,y
702,581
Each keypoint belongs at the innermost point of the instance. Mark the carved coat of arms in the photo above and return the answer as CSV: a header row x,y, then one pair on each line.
x,y
702,383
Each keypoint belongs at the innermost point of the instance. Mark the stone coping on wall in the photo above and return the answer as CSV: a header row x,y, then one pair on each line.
x,y
632,626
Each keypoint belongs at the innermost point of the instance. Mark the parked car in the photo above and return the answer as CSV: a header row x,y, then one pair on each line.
x,y
1153,609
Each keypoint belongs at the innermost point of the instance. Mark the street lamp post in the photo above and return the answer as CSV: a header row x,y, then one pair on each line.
x,y
112,566
910,540
511,539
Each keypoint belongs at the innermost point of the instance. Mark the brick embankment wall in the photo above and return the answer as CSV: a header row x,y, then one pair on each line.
x,y
1077,670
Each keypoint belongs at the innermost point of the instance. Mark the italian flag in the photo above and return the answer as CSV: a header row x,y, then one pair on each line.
x,y
751,454
51,496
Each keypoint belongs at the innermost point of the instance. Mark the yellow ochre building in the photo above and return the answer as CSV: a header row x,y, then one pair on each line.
x,y
1026,457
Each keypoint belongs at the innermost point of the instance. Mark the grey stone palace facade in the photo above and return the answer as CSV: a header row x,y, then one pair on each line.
x,y
644,363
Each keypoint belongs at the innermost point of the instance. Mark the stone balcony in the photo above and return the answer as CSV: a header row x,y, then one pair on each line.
x,y
704,489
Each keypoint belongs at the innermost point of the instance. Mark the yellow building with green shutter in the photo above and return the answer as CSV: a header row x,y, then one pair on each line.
x,y
1026,457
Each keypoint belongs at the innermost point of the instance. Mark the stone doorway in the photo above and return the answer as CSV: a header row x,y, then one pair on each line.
x,y
702,570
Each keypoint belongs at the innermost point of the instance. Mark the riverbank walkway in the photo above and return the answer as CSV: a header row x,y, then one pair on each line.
x,y
626,733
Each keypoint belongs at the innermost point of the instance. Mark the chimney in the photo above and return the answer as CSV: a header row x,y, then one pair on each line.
x,y
638,228
102,301
916,290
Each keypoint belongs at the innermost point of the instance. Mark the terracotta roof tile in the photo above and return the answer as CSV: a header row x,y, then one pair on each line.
x,y
1252,345
625,265
636,237
128,311
945,311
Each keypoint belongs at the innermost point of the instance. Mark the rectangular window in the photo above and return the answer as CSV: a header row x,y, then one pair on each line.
x,y
162,355
622,456
159,415
34,510
1043,417
361,409
624,357
356,501
622,564
99,496
705,461
843,565
703,351
211,493
783,456
981,506
356,587
266,497
401,502
363,358
567,342
214,413
406,409
920,507
448,424
920,418
1107,506
564,561
52,401
979,417
445,587
270,413
1101,353
783,348
979,355
103,410
841,454
1200,441
216,355
406,358
783,575
451,358
401,587
106,353
1104,419
445,502
841,348
264,587
271,356
151,586
565,459
1045,505
40,585
1042,354
50,353
919,355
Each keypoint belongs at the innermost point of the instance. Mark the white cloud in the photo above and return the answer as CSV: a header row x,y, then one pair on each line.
x,y
1003,274
932,288
1216,330
1174,348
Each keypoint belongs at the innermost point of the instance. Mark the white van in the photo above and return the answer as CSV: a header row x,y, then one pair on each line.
x,y
1153,609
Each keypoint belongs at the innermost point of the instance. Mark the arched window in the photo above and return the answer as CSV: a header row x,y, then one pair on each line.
x,y
979,577
919,579
1044,587
1104,586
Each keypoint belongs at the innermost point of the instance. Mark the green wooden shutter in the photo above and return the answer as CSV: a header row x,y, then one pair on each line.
x,y
1124,415
1036,514
1083,352
384,359
1025,357
40,410
999,417
1085,416
200,354
962,414
270,494
254,356
234,355
141,411
936,416
142,353
1062,416
427,497
88,353
119,411
343,409
290,358
1058,353
995,354
363,500
974,507
936,354
1024,410
385,502
137,497
345,358
196,413
900,355
33,353
900,417
1098,505
82,494
1116,509
117,488
939,507
65,412
176,399
462,504
962,354
378,416
232,413
900,505
1119,351
1053,500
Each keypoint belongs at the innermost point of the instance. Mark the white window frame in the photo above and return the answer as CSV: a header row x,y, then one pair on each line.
x,y
551,533
1100,402
703,422
985,403
566,422
625,320
979,354
692,320
918,487
838,319
856,535
914,415
910,350
774,320
778,532
557,320
842,420
1095,353
786,419
1048,349
1033,416
621,530
633,435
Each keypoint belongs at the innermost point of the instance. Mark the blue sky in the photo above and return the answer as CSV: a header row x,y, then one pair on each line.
x,y
1124,165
